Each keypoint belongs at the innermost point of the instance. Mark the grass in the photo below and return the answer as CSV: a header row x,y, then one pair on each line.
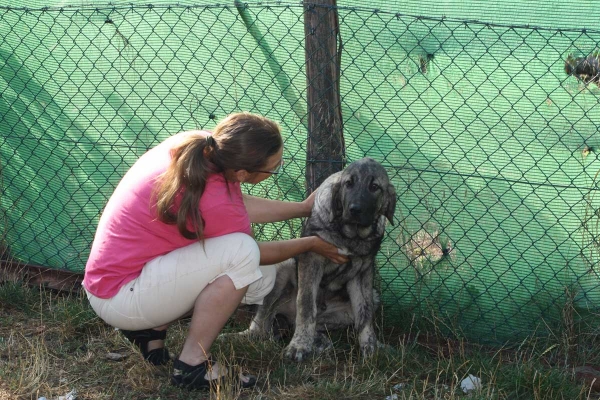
x,y
52,343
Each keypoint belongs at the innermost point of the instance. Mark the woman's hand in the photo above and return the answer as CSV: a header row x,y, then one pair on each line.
x,y
307,204
328,250
280,250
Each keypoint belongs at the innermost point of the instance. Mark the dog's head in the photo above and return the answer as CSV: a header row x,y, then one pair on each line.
x,y
362,193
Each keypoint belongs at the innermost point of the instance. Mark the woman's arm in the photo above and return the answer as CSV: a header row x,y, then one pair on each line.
x,y
263,210
274,252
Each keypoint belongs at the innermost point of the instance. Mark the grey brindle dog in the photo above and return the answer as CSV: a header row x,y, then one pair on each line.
x,y
314,294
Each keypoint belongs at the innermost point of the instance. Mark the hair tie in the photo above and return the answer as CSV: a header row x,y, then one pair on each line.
x,y
210,141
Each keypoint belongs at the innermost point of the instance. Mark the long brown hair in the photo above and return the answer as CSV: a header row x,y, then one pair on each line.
x,y
241,141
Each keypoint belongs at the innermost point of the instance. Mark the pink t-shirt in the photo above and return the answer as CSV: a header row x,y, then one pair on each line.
x,y
129,233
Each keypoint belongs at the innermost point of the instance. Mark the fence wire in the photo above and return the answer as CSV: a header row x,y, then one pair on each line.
x,y
489,133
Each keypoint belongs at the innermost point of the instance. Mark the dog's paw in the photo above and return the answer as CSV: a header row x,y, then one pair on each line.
x,y
367,341
298,351
368,349
368,345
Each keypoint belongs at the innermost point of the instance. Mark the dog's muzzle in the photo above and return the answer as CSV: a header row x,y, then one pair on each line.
x,y
357,215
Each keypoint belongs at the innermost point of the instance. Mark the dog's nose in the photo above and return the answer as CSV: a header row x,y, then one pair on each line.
x,y
355,210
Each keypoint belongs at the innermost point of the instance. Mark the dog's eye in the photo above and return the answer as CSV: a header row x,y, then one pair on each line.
x,y
349,183
373,187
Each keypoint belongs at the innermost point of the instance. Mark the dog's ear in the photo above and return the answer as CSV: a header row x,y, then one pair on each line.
x,y
389,203
335,209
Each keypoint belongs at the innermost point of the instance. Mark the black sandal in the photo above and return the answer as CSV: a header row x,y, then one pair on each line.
x,y
141,339
192,377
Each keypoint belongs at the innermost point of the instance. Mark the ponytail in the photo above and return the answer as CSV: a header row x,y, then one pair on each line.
x,y
186,176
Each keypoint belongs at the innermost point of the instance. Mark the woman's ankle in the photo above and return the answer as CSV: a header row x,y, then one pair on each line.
x,y
193,360
155,344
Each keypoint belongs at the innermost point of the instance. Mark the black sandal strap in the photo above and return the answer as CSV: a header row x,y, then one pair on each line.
x,y
145,335
192,377
141,339
158,335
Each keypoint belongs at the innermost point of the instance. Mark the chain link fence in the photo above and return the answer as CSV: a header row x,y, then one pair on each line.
x,y
489,133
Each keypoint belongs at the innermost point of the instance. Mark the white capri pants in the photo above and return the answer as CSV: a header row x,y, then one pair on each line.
x,y
168,286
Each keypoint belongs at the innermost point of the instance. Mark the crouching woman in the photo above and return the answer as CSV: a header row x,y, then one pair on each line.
x,y
175,238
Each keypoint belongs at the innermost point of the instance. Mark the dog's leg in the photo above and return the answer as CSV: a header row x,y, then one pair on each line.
x,y
360,289
310,273
262,323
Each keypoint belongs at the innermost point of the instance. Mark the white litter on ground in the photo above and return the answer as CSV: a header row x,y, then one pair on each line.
x,y
470,383
115,356
72,395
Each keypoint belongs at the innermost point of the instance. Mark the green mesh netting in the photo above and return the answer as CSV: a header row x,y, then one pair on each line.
x,y
491,145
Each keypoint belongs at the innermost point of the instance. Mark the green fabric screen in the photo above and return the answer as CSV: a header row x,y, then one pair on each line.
x,y
491,145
